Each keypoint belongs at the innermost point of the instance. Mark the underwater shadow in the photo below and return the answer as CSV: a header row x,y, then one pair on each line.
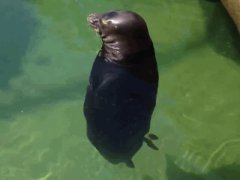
x,y
222,33
17,25
228,172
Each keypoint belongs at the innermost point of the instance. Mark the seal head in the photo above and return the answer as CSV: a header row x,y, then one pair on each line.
x,y
124,34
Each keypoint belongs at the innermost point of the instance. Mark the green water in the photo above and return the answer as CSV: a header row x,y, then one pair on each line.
x,y
46,53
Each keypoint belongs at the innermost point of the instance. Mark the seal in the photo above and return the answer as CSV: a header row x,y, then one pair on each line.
x,y
122,90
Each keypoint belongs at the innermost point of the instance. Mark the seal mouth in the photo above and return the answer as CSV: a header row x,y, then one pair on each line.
x,y
93,21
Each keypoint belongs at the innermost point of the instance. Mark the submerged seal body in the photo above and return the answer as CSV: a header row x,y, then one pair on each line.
x,y
123,83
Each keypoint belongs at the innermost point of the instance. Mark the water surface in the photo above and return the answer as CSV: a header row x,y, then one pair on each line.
x,y
46,53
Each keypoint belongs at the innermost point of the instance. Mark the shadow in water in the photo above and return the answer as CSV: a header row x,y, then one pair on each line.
x,y
222,32
229,172
17,25
222,35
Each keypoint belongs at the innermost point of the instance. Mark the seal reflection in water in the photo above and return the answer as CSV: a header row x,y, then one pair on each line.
x,y
122,89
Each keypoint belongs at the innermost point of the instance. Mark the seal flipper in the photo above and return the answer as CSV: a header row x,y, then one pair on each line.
x,y
150,143
152,136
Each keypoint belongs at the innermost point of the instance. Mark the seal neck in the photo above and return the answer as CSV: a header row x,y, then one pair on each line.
x,y
125,52
122,58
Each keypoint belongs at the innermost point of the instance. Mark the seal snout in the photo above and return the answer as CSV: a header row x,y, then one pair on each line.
x,y
93,21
